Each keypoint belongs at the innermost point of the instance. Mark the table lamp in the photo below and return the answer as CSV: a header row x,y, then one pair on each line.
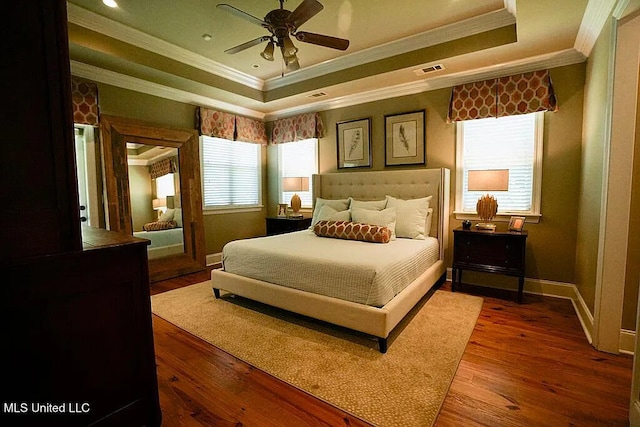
x,y
488,180
300,183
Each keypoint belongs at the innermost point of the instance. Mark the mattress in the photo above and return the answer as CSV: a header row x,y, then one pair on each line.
x,y
360,272
160,238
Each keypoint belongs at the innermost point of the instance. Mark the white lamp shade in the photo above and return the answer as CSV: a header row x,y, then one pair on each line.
x,y
159,203
489,180
300,183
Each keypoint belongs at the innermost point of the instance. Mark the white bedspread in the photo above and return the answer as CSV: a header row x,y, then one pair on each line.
x,y
361,272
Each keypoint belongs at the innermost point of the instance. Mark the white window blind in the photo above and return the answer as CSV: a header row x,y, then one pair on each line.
x,y
513,143
296,159
230,173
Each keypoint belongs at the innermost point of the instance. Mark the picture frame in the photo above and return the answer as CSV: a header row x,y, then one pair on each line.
x,y
516,223
405,142
354,143
282,210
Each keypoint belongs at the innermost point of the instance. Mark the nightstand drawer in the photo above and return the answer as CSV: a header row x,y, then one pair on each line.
x,y
498,251
286,225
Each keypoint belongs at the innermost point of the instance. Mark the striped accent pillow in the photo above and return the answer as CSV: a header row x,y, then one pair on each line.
x,y
352,231
159,225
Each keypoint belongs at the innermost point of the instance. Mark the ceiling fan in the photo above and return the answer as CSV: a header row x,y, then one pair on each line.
x,y
282,24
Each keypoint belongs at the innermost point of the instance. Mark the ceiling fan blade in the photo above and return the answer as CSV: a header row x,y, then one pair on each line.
x,y
305,11
322,40
241,14
247,45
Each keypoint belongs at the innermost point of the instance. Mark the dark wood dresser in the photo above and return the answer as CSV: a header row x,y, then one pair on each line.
x,y
499,251
75,307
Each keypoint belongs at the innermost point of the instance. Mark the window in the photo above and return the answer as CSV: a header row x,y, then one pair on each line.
x,y
165,186
230,173
512,142
298,158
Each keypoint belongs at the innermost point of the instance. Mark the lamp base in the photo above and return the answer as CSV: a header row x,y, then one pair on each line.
x,y
485,226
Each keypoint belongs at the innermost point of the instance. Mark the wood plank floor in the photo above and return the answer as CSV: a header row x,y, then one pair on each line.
x,y
525,365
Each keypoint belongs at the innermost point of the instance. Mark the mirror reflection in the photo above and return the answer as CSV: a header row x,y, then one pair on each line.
x,y
156,204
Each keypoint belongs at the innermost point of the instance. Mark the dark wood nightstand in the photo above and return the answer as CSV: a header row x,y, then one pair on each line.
x,y
500,251
286,225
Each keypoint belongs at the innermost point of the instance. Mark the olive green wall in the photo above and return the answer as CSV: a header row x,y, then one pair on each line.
x,y
592,164
141,194
561,163
219,228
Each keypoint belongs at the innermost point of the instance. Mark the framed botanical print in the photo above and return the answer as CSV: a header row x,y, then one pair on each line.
x,y
354,143
405,138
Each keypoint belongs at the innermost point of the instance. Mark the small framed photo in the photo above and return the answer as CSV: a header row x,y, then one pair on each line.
x,y
405,139
516,223
354,143
282,210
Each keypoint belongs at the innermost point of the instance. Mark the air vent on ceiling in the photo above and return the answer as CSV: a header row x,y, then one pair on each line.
x,y
317,95
429,69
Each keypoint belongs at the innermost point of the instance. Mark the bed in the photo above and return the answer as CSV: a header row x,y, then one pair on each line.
x,y
374,311
163,242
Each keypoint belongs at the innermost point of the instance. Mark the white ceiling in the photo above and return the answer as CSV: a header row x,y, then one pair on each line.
x,y
157,47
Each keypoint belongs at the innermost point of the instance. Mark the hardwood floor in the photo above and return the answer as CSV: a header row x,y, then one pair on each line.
x,y
525,365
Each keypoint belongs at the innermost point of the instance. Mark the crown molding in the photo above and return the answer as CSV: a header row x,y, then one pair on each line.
x,y
108,27
550,60
595,16
135,84
465,28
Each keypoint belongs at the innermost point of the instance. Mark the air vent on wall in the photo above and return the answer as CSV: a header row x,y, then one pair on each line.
x,y
429,69
317,95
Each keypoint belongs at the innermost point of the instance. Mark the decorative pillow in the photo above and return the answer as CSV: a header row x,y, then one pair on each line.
x,y
338,205
427,223
167,215
411,216
177,217
159,225
353,231
376,205
327,213
386,218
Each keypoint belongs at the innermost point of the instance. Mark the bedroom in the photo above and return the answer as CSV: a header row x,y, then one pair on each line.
x,y
568,163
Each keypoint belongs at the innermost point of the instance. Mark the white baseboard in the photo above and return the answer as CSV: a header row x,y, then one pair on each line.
x,y
627,341
570,291
214,259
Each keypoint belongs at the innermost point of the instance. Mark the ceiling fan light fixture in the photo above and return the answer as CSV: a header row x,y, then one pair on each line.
x,y
267,53
288,47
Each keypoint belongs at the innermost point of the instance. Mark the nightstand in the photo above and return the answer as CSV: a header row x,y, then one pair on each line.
x,y
286,225
500,251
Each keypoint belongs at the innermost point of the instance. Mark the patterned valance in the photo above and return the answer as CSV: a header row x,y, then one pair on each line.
x,y
297,128
163,167
84,95
216,123
250,130
505,96
229,126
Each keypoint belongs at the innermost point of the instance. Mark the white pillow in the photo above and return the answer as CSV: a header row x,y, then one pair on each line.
x,y
385,217
177,216
427,223
338,205
377,205
327,213
411,216
167,215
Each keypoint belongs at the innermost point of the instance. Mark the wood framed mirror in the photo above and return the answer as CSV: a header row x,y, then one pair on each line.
x,y
116,133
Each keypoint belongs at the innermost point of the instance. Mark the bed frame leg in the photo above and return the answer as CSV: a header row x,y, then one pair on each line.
x,y
382,345
216,293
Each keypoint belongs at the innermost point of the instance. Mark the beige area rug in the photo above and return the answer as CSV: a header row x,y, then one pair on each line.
x,y
404,387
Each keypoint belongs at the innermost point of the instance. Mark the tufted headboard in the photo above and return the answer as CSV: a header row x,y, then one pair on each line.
x,y
402,184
